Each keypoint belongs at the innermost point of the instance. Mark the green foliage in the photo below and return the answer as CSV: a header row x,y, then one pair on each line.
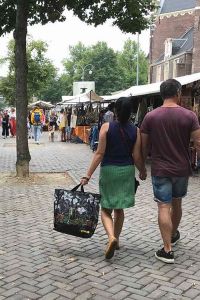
x,y
128,15
40,71
127,60
56,89
111,71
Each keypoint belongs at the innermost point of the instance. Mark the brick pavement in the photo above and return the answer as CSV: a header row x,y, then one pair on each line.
x,y
38,263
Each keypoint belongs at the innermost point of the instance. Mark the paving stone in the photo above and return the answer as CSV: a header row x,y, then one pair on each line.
x,y
39,263
50,296
46,290
65,293
28,287
84,296
192,293
121,295
10,292
157,294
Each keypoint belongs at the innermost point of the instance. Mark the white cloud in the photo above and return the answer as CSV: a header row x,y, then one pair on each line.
x,y
60,36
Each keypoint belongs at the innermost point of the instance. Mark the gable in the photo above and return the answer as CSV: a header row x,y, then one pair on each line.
x,y
180,45
177,5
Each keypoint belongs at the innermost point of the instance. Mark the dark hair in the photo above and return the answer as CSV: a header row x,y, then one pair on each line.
x,y
123,109
170,88
62,110
111,106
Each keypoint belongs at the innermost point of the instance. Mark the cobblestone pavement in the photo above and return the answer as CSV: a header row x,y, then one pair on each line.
x,y
39,263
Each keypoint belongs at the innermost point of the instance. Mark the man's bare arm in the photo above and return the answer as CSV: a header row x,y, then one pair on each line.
x,y
195,136
145,145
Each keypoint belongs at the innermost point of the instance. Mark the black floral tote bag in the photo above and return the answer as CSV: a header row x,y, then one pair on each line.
x,y
76,212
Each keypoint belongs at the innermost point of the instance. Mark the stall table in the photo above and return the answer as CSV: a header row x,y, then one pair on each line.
x,y
83,133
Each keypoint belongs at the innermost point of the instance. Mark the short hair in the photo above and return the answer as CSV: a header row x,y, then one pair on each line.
x,y
123,109
170,88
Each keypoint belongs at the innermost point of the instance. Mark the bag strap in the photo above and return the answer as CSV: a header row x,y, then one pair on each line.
x,y
137,183
76,188
124,139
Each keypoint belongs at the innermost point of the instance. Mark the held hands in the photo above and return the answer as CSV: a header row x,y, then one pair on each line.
x,y
84,180
143,174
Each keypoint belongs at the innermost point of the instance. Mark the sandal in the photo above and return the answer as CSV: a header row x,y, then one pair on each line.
x,y
112,245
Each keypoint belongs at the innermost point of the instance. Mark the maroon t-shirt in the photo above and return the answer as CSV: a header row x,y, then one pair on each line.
x,y
169,130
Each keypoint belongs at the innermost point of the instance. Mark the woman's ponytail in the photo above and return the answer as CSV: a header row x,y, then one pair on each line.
x,y
123,109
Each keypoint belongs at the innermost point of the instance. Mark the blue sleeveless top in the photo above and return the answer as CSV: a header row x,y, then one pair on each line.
x,y
119,144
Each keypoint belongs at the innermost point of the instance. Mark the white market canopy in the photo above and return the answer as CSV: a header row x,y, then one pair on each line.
x,y
41,104
81,98
149,89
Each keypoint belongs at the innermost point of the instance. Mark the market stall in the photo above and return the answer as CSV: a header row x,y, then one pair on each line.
x,y
85,109
147,97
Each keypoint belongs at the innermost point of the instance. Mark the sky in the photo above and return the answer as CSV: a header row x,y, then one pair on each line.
x,y
59,36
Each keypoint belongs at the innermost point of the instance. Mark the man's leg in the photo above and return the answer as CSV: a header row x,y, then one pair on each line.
x,y
176,214
39,133
3,130
165,224
35,133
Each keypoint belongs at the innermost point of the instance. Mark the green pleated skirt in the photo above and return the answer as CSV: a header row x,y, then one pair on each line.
x,y
117,186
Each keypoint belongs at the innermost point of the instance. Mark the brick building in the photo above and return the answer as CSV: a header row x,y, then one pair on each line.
x,y
175,40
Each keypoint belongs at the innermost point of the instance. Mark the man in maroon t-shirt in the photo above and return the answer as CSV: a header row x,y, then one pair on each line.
x,y
167,130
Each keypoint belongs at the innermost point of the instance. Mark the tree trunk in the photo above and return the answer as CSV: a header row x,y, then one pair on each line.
x,y
21,69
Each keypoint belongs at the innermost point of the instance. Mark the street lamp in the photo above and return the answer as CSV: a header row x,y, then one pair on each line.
x,y
138,48
84,68
90,66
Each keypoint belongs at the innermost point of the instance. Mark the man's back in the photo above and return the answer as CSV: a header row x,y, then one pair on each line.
x,y
169,129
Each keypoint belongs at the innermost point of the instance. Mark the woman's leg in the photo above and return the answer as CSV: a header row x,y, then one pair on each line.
x,y
118,222
63,137
106,217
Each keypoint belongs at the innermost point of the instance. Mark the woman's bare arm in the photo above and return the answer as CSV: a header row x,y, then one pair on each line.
x,y
98,156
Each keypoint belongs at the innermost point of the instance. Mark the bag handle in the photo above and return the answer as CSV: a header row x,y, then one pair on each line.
x,y
76,188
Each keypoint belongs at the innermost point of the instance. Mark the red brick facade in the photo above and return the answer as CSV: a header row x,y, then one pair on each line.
x,y
196,49
169,27
174,25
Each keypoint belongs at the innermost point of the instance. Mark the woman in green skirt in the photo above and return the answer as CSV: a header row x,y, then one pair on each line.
x,y
119,151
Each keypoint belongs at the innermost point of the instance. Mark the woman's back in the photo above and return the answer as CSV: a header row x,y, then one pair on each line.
x,y
119,144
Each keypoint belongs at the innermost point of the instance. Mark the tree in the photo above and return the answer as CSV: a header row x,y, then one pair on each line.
x,y
56,88
101,60
41,72
127,60
111,70
129,16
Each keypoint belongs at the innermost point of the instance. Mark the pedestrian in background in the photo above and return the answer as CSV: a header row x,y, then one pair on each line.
x,y
5,124
68,125
36,120
109,115
168,130
30,126
119,149
62,124
12,122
